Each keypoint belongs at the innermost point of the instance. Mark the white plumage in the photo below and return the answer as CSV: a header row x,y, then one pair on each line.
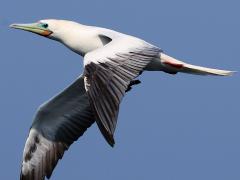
x,y
112,61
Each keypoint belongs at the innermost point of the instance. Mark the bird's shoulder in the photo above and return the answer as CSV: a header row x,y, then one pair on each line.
x,y
119,44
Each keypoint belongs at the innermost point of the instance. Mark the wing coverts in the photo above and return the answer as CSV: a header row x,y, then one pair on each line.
x,y
107,81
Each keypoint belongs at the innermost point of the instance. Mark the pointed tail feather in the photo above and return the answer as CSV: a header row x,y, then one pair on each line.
x,y
192,69
173,65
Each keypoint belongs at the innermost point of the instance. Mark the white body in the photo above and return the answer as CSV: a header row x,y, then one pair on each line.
x,y
112,61
84,39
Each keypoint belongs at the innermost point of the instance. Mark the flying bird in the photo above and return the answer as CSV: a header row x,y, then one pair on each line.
x,y
112,62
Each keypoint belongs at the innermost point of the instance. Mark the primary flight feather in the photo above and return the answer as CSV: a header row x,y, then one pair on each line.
x,y
112,61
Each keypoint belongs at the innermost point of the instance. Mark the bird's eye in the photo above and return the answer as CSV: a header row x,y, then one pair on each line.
x,y
44,25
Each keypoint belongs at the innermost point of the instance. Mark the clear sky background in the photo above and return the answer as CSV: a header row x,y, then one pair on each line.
x,y
180,127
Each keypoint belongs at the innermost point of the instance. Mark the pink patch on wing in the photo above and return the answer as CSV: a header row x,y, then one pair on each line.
x,y
174,65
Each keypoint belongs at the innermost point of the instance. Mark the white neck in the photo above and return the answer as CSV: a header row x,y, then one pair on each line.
x,y
79,38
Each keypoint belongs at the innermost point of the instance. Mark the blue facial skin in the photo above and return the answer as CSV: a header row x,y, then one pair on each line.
x,y
43,25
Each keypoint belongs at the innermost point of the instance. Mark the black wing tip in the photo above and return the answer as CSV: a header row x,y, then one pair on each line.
x,y
111,141
21,176
109,138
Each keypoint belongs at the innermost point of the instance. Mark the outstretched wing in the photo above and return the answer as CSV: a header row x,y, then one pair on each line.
x,y
58,123
108,73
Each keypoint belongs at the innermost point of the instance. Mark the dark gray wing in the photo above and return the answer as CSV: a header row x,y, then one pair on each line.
x,y
107,78
58,123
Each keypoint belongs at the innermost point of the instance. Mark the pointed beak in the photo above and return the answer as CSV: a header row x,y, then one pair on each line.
x,y
33,27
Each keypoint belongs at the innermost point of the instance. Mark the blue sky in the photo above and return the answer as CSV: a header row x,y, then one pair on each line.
x,y
181,127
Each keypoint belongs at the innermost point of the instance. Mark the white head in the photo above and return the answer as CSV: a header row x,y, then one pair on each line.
x,y
77,37
50,28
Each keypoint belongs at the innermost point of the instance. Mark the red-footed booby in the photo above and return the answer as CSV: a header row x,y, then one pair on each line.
x,y
112,61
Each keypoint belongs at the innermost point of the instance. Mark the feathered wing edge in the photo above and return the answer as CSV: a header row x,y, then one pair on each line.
x,y
107,81
58,123
40,156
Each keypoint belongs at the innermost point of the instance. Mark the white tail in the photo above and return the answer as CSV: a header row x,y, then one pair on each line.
x,y
173,65
188,68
